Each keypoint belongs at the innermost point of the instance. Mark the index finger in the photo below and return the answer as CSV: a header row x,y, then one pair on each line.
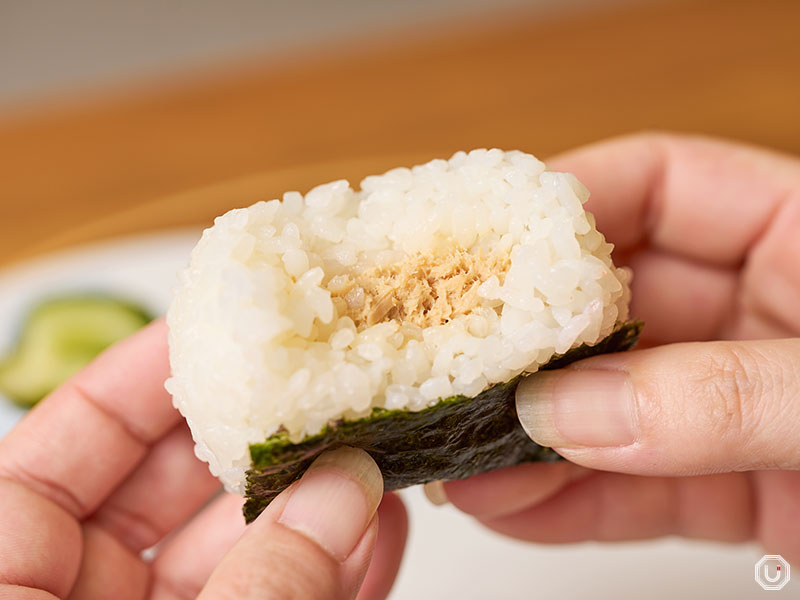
x,y
78,444
700,198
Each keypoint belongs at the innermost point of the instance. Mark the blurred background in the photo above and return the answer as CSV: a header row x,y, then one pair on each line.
x,y
126,127
108,106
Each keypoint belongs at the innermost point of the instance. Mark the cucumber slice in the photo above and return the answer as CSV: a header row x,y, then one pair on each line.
x,y
59,337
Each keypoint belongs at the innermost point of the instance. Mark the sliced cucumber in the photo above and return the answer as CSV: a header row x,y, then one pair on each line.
x,y
59,337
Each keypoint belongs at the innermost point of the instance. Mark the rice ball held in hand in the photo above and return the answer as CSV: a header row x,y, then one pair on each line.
x,y
397,318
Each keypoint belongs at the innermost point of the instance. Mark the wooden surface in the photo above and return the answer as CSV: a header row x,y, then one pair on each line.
x,y
122,162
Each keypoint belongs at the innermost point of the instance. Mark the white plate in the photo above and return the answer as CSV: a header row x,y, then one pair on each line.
x,y
449,555
140,268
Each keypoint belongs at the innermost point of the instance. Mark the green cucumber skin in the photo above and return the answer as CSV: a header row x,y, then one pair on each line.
x,y
457,438
60,335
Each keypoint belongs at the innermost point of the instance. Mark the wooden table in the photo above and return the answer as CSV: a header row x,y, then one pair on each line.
x,y
119,163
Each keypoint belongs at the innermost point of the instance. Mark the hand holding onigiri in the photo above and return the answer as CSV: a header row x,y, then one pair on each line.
x,y
398,319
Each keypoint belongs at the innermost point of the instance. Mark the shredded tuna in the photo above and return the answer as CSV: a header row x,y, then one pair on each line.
x,y
425,289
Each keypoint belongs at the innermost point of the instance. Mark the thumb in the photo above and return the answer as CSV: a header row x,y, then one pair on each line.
x,y
313,541
681,409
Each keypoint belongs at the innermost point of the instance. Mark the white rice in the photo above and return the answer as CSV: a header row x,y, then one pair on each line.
x,y
256,343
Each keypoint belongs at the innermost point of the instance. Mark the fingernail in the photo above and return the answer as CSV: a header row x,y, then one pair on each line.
x,y
335,500
575,408
434,491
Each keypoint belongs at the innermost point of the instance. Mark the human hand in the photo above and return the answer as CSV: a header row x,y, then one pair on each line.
x,y
702,438
104,468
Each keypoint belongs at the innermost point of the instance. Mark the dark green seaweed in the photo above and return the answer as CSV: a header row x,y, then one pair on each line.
x,y
456,438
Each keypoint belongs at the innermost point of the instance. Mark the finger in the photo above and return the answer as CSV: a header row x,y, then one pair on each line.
x,y
771,277
185,560
165,489
117,407
510,490
18,592
678,299
354,567
681,409
613,507
697,197
41,543
392,533
109,569
301,549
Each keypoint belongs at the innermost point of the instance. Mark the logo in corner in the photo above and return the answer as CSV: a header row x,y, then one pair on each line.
x,y
772,572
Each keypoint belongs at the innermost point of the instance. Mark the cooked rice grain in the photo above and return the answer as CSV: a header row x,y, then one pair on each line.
x,y
266,331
